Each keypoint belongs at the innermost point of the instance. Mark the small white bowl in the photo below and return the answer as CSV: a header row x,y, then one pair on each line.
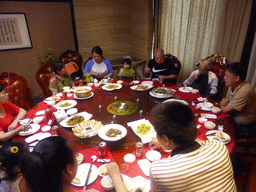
x,y
153,155
194,91
72,111
38,120
119,81
90,84
129,158
46,128
96,84
107,183
216,110
209,125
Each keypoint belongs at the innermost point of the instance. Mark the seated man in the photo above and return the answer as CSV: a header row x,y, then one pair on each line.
x,y
161,68
191,166
203,79
240,101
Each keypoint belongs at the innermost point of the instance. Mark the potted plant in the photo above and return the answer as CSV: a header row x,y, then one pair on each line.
x,y
48,56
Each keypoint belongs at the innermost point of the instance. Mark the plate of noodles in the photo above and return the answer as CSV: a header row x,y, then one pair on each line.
x,y
111,86
66,104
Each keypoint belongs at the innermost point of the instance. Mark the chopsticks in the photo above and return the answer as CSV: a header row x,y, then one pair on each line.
x,y
29,121
88,176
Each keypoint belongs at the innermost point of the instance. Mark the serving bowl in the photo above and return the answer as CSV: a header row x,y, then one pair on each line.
x,y
83,92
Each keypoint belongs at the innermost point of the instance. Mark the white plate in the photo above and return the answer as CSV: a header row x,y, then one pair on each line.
x,y
135,81
135,86
185,89
153,155
84,114
147,83
73,103
179,100
81,98
59,94
205,106
144,138
52,98
104,87
82,172
226,141
34,128
101,167
103,129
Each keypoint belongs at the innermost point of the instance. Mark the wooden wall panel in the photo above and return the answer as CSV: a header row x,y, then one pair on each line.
x,y
117,26
50,25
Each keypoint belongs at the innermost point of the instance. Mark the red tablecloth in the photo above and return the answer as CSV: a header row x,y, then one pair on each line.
x,y
117,155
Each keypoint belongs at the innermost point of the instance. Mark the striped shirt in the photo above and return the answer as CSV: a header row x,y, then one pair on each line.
x,y
207,168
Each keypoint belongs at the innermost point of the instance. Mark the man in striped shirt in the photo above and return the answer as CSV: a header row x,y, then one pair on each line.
x,y
191,166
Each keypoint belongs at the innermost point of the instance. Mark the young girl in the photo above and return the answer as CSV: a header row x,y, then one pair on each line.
x,y
50,167
126,70
10,155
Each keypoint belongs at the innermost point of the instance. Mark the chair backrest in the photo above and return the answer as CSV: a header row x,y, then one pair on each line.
x,y
43,76
218,66
68,56
19,93
177,63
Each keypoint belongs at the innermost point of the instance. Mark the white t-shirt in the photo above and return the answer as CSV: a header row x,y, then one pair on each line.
x,y
99,68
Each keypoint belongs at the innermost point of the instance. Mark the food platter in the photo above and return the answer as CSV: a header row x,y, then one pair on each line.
x,y
185,89
82,98
145,135
87,128
161,92
67,104
141,87
34,128
82,172
111,86
83,114
103,132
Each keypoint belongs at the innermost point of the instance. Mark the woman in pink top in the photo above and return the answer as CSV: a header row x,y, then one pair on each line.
x,y
10,115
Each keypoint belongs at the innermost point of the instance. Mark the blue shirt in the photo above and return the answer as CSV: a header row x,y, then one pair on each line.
x,y
90,63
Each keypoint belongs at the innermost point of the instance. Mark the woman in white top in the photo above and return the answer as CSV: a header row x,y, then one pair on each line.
x,y
98,66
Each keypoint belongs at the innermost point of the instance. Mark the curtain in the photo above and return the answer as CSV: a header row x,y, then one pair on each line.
x,y
194,29
251,72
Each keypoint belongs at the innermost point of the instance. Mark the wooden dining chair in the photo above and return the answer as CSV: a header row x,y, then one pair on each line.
x,y
218,66
17,86
69,56
43,76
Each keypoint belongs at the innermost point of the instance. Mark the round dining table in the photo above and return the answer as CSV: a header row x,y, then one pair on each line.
x,y
98,106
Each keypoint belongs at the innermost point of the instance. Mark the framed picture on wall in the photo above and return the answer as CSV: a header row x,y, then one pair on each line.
x,y
14,32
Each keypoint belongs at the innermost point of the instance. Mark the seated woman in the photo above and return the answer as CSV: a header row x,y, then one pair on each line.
x,y
203,79
10,156
51,166
10,115
126,70
60,79
98,67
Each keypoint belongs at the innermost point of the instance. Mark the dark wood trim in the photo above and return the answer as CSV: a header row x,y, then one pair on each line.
x,y
247,49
